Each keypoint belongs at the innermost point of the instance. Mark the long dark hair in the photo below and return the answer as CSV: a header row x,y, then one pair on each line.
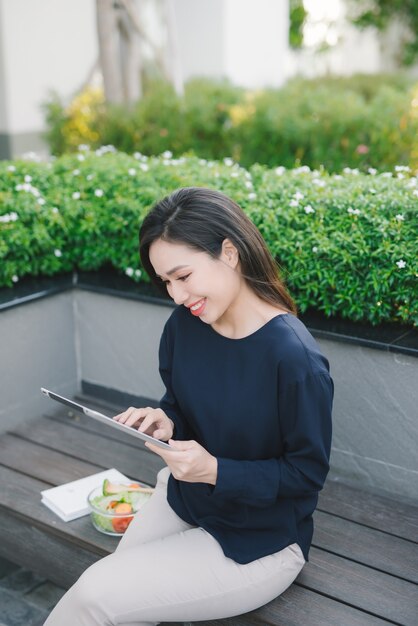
x,y
201,219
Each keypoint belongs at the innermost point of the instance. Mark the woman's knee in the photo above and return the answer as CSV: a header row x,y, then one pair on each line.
x,y
90,595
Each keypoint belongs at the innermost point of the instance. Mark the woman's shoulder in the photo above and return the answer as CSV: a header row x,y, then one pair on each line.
x,y
295,350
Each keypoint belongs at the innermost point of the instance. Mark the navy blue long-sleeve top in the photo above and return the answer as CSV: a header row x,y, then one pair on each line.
x,y
262,406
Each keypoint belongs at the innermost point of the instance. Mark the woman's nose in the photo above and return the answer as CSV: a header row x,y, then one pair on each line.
x,y
178,293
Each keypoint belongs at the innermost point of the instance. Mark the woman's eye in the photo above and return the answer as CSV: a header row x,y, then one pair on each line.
x,y
167,282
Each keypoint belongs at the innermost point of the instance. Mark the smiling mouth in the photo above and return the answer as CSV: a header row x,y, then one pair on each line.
x,y
197,308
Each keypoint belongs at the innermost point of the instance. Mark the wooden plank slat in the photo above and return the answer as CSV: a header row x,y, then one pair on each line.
x,y
382,513
135,463
378,593
49,466
20,497
36,549
367,546
297,606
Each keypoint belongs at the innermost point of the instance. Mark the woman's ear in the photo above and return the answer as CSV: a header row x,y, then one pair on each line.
x,y
230,253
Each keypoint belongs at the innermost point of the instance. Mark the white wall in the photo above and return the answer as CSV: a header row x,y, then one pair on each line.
x,y
45,44
243,40
256,42
37,350
200,36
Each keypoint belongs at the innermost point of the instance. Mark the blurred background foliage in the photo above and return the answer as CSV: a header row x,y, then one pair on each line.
x,y
360,121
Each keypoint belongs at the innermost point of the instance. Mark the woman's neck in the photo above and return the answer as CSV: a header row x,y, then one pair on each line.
x,y
246,315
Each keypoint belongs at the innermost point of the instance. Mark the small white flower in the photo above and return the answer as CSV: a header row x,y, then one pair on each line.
x,y
81,157
15,278
353,211
234,174
166,162
401,264
9,217
372,190
387,175
90,176
252,196
372,171
304,169
41,201
309,209
137,155
138,273
228,162
399,217
31,156
167,154
248,176
248,184
76,195
58,253
298,196
399,175
129,271
98,193
202,161
144,167
379,303
337,177
19,187
318,182
55,210
28,179
11,168
415,192
293,202
402,168
76,172
35,192
132,171
27,187
315,249
280,170
83,147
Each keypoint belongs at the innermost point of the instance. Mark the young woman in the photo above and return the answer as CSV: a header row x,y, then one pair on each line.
x,y
247,410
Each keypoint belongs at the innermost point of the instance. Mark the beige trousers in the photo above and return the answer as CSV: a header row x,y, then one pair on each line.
x,y
166,570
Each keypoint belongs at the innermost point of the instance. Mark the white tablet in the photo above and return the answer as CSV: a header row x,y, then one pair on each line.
x,y
105,419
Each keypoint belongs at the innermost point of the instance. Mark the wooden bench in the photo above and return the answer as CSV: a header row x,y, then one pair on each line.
x,y
363,566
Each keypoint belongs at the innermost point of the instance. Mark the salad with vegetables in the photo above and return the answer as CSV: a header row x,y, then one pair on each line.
x,y
113,506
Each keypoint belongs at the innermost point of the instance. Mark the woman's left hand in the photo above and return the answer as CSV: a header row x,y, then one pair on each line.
x,y
189,461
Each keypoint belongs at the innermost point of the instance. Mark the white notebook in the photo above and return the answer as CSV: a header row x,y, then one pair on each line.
x,y
69,501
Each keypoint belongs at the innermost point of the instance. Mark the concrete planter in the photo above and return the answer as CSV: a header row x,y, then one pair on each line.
x,y
104,339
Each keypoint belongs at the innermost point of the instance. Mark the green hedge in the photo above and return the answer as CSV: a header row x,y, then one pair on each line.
x,y
362,121
346,243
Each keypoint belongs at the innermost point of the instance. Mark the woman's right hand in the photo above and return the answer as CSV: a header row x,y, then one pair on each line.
x,y
150,421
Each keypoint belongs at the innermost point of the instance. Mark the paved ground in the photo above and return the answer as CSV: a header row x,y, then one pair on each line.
x,y
25,598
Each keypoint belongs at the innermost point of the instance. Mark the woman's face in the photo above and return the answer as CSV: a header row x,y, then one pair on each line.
x,y
206,286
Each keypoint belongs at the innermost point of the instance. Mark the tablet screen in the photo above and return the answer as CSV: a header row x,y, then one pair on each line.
x,y
104,419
